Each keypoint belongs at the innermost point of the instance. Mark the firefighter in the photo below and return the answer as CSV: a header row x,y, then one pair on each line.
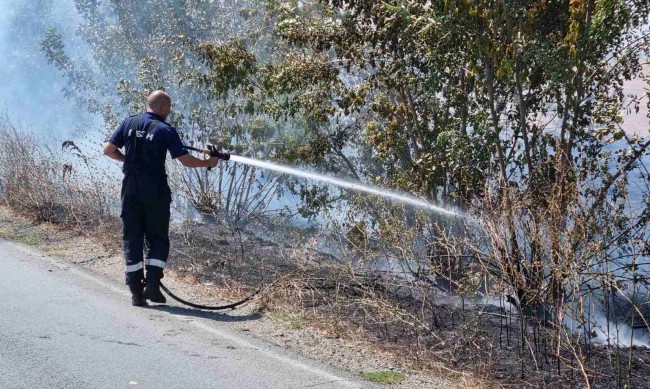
x,y
146,197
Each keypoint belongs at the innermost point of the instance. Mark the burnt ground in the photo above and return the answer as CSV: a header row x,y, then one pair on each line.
x,y
284,328
425,329
338,313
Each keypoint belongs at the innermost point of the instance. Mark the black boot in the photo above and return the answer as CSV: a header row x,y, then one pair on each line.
x,y
152,292
137,295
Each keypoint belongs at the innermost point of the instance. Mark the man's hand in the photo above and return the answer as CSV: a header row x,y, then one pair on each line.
x,y
110,150
212,162
191,161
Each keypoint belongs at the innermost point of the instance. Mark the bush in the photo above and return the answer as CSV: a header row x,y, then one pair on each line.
x,y
59,186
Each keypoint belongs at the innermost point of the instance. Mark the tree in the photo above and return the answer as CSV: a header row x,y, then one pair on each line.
x,y
510,110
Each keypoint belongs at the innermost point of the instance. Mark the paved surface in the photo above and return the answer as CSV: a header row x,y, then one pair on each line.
x,y
63,327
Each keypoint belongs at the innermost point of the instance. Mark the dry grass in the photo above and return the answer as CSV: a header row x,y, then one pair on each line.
x,y
412,323
453,333
61,187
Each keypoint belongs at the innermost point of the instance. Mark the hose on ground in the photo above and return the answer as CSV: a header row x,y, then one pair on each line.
x,y
227,306
208,307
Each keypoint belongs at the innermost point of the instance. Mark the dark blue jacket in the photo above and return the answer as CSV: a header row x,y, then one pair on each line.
x,y
160,139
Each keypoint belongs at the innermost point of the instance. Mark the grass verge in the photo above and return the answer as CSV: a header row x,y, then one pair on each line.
x,y
384,377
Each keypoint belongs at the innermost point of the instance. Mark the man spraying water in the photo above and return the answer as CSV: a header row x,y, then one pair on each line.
x,y
146,197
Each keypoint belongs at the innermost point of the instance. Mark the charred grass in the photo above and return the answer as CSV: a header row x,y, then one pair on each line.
x,y
413,323
417,327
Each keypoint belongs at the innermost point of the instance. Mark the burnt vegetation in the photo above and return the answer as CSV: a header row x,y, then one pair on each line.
x,y
512,113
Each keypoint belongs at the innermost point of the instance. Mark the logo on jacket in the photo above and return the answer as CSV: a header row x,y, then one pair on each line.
x,y
140,134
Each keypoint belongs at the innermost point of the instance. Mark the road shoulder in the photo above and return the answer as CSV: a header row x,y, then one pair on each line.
x,y
85,253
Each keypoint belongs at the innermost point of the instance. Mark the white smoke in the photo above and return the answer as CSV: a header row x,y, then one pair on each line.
x,y
31,92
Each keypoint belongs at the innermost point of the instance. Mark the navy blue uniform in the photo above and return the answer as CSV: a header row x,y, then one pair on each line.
x,y
145,193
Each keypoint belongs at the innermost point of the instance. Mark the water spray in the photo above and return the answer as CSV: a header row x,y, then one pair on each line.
x,y
213,151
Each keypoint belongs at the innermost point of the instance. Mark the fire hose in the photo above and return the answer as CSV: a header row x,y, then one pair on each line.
x,y
212,151
208,307
231,305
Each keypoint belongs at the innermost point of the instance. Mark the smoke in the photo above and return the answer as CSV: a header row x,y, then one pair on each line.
x,y
612,332
32,95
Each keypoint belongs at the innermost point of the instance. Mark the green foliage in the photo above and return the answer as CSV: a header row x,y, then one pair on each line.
x,y
53,48
229,66
506,109
438,99
384,377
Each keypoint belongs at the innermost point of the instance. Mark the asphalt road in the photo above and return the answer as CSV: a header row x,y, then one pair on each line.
x,y
64,327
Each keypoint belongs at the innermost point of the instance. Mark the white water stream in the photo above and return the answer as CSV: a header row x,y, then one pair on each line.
x,y
402,198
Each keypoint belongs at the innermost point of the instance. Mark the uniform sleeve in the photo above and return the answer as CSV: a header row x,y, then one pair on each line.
x,y
117,138
174,144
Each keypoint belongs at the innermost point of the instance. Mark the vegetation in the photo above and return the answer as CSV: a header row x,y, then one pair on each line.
x,y
511,112
59,186
385,377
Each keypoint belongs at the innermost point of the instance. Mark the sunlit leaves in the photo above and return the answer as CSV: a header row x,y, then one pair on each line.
x,y
429,96
229,66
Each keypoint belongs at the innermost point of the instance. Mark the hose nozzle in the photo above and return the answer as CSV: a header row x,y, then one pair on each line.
x,y
214,152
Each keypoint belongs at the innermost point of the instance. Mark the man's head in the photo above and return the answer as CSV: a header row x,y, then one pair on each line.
x,y
159,103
